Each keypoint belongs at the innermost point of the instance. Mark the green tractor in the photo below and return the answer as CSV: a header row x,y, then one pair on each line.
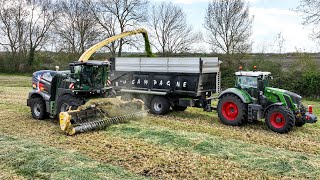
x,y
252,99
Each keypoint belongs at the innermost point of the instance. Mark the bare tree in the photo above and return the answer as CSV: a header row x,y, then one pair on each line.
x,y
229,26
40,20
170,30
75,26
279,42
117,16
310,10
13,27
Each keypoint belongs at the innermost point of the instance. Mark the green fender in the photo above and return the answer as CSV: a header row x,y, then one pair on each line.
x,y
243,95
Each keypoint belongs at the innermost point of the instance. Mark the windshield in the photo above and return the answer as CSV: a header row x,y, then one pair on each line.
x,y
247,82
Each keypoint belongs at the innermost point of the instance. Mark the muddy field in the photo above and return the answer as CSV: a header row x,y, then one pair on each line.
x,y
185,145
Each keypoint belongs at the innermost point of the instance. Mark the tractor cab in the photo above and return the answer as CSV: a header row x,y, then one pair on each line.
x,y
253,82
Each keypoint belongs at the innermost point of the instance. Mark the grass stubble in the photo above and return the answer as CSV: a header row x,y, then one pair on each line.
x,y
191,145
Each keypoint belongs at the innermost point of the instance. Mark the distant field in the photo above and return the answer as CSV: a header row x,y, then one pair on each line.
x,y
191,144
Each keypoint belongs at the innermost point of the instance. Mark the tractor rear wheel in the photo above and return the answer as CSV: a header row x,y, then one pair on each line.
x,y
231,110
280,119
38,108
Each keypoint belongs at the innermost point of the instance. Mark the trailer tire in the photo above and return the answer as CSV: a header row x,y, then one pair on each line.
x,y
179,108
159,105
280,119
231,110
67,101
38,108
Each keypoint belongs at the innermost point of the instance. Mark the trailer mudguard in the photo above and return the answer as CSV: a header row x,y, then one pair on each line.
x,y
244,96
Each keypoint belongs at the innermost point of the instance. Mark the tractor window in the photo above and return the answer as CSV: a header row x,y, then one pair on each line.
x,y
247,82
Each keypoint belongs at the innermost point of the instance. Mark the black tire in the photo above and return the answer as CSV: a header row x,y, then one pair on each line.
x,y
159,105
299,124
67,101
280,119
179,108
231,110
38,108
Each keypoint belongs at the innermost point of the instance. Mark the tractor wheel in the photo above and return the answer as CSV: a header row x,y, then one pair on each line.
x,y
231,110
159,105
67,102
179,108
280,119
38,108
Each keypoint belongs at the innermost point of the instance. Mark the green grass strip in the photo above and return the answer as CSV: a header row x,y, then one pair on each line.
x,y
35,161
250,156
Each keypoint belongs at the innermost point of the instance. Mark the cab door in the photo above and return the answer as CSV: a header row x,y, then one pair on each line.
x,y
249,84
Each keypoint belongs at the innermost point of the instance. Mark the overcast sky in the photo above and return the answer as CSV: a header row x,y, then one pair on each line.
x,y
271,17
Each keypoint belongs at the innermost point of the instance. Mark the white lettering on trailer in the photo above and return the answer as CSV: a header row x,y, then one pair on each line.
x,y
133,82
155,82
138,81
145,82
117,83
161,83
168,83
178,84
184,84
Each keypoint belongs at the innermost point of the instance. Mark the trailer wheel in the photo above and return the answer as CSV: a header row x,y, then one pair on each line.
x,y
159,105
38,108
179,108
66,102
280,119
231,110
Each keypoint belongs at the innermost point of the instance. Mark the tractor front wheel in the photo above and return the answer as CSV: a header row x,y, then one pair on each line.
x,y
231,110
280,119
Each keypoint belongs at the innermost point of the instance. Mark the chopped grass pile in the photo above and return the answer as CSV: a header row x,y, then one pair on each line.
x,y
114,107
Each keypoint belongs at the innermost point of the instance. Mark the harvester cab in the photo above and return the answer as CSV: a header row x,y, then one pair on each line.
x,y
90,76
253,99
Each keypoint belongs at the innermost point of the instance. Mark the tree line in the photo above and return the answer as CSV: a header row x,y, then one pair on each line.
x,y
28,27
39,34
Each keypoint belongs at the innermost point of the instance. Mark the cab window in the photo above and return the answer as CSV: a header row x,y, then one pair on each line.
x,y
247,82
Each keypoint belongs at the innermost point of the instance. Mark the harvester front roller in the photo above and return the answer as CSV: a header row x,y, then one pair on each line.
x,y
96,116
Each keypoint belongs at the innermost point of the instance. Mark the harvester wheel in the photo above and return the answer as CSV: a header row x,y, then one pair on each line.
x,y
66,102
179,108
159,105
280,119
231,110
38,108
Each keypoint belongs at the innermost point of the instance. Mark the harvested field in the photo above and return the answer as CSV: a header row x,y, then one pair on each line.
x,y
182,145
